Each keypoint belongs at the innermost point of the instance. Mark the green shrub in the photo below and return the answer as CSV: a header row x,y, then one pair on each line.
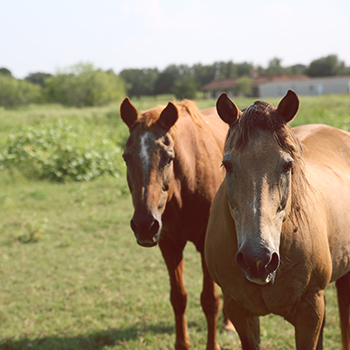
x,y
62,151
15,93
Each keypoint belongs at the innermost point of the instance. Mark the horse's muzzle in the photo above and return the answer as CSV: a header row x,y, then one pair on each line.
x,y
146,229
258,269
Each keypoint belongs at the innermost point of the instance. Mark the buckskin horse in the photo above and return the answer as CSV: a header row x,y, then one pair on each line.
x,y
173,156
279,228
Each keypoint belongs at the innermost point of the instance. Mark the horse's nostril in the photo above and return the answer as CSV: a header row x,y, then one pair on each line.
x,y
154,228
269,263
274,263
240,261
145,228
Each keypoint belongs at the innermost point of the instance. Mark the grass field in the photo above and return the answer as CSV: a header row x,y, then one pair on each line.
x,y
71,273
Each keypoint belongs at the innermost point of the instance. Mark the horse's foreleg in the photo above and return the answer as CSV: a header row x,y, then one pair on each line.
x,y
320,337
246,324
343,292
210,304
308,320
227,324
178,296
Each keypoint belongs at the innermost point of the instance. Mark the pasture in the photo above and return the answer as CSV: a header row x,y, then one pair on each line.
x,y
71,273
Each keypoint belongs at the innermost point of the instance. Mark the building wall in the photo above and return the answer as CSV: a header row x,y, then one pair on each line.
x,y
316,86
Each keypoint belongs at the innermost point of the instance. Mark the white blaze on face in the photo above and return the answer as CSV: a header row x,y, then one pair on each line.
x,y
254,206
146,139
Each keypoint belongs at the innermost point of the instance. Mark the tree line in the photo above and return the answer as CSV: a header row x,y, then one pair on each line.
x,y
84,85
184,81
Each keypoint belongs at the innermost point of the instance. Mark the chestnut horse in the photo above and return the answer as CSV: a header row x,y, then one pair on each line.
x,y
173,156
279,229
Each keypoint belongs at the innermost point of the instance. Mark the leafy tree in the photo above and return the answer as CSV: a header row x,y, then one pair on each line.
x,y
140,82
203,74
166,80
296,69
38,78
326,66
244,69
83,85
275,67
224,70
185,87
220,70
15,93
5,71
231,69
184,70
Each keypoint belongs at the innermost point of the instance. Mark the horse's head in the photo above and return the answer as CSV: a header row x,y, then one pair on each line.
x,y
260,153
149,154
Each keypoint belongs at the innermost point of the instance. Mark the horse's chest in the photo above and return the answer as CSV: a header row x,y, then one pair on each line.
x,y
262,301
280,303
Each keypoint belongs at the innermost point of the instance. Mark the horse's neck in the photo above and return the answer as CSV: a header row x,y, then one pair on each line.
x,y
198,155
190,151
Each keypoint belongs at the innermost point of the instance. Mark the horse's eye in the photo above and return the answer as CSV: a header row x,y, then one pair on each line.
x,y
167,158
287,166
228,166
171,157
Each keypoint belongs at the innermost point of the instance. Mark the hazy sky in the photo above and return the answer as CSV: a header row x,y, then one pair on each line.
x,y
44,35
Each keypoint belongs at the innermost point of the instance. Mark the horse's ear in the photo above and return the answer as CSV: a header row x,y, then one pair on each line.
x,y
227,109
288,107
128,113
168,117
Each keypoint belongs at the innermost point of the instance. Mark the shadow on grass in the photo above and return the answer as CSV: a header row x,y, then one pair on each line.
x,y
93,341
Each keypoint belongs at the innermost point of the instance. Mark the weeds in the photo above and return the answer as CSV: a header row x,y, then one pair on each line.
x,y
32,230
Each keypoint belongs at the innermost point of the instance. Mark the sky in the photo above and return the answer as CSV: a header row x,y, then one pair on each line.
x,y
48,35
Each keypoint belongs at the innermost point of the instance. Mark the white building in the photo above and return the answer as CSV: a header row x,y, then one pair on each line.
x,y
312,86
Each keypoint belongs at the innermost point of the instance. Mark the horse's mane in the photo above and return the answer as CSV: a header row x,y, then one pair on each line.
x,y
150,116
263,116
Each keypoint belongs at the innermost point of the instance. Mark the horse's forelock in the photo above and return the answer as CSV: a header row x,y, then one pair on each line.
x,y
258,116
150,116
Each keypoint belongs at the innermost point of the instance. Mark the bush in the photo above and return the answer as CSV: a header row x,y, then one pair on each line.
x,y
82,85
15,93
62,151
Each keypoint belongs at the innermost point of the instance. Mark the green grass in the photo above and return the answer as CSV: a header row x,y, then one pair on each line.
x,y
72,275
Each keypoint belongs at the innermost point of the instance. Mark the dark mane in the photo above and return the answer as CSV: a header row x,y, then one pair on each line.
x,y
150,116
263,116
